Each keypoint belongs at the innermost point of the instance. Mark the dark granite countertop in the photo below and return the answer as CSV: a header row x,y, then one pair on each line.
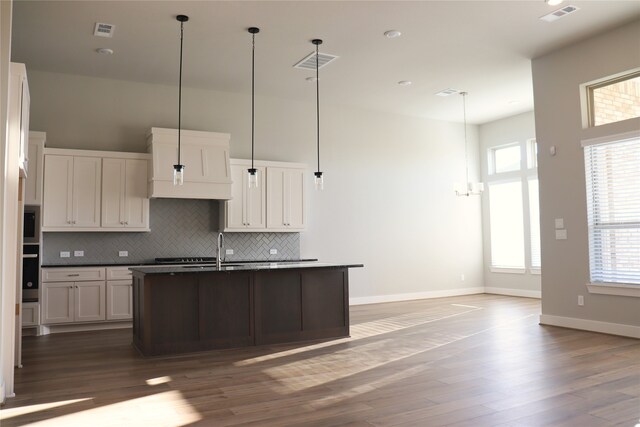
x,y
153,263
185,269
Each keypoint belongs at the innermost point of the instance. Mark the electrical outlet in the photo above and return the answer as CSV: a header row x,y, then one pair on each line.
x,y
580,300
123,253
229,252
559,223
561,234
78,253
273,251
462,277
65,254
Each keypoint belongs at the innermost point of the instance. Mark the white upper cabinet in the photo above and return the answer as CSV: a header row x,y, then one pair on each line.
x,y
35,160
205,156
246,211
124,194
285,199
95,191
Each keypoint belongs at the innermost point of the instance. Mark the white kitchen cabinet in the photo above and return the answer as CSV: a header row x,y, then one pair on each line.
x,y
30,314
73,294
246,211
124,194
35,161
71,192
119,293
205,156
285,199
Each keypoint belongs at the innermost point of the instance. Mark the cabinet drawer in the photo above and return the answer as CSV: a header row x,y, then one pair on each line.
x,y
73,274
119,273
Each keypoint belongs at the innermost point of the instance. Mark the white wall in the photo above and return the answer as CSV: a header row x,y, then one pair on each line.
x,y
388,200
556,81
7,286
519,128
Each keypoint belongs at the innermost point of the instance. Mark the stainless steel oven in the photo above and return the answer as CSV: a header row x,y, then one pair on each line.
x,y
31,224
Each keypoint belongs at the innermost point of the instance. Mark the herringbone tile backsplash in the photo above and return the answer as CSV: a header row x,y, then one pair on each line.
x,y
178,228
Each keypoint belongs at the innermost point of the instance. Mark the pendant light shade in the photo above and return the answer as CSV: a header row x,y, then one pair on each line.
x,y
178,169
318,176
469,188
253,172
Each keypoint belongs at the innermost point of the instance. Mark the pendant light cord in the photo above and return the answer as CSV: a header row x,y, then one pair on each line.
x,y
464,115
180,91
318,106
253,95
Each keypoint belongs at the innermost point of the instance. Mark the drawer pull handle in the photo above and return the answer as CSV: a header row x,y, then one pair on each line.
x,y
73,275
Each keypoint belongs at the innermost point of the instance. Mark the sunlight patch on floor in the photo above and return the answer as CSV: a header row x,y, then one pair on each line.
x,y
158,380
5,414
161,409
367,330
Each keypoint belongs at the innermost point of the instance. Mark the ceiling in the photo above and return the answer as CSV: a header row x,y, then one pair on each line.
x,y
482,47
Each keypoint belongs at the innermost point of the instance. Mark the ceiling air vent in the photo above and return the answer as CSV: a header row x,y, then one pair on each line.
x,y
309,61
103,30
447,92
560,13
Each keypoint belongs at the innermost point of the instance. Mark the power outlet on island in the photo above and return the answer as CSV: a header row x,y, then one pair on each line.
x,y
273,252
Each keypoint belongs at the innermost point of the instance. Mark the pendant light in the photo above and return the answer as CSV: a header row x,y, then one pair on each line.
x,y
470,188
253,172
319,179
178,169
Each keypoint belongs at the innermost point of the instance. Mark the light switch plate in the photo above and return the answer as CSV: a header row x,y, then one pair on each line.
x,y
559,223
561,234
273,251
229,251
78,253
65,254
123,253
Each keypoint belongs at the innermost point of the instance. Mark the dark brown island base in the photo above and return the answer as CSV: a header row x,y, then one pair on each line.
x,y
185,308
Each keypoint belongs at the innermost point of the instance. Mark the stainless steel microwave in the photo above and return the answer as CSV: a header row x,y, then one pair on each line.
x,y
31,224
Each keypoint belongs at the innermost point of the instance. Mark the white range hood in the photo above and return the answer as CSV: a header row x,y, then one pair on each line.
x,y
205,155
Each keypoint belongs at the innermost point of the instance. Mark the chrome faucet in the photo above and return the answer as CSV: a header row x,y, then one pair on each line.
x,y
220,246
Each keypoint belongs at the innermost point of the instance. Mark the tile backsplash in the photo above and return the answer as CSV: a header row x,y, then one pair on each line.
x,y
179,227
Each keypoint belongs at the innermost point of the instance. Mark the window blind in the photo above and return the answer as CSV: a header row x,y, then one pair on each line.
x,y
613,209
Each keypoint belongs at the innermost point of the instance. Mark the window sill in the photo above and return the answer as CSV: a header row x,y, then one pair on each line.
x,y
614,289
536,271
512,270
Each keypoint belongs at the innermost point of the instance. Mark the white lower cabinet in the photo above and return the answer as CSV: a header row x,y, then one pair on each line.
x,y
84,294
30,314
66,302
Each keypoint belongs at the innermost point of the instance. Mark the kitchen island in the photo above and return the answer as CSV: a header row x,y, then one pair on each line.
x,y
179,309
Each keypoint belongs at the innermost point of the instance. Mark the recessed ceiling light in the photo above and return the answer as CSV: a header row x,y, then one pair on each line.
x,y
554,2
312,79
105,51
405,82
447,92
392,34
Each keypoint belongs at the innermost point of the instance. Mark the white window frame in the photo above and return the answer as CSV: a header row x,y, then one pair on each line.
x,y
528,169
620,289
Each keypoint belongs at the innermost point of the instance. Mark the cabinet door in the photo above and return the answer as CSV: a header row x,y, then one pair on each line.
x,y
87,178
276,197
119,299
234,209
113,191
58,187
296,199
255,201
136,200
89,301
57,302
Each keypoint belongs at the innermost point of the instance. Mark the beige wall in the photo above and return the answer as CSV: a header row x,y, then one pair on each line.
x,y
556,80
519,128
388,200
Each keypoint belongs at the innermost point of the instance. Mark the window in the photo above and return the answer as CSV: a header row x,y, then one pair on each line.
x,y
514,213
614,100
507,233
613,208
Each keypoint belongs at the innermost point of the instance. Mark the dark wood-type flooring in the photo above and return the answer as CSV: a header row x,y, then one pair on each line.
x,y
479,360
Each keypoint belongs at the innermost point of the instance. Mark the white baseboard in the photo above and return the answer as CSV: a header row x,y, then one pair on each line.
x,y
82,327
416,295
3,396
512,292
591,325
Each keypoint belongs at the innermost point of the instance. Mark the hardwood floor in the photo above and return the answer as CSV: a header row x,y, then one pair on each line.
x,y
479,360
